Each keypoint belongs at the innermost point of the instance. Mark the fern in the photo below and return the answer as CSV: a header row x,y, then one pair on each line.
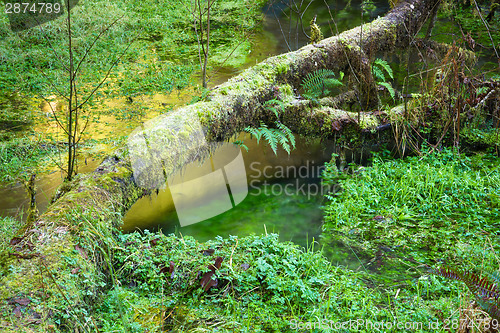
x,y
241,144
254,132
282,136
271,105
380,67
495,276
378,74
318,84
389,88
379,63
485,290
288,133
269,135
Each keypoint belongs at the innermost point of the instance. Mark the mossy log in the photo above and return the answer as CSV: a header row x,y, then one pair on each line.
x,y
58,263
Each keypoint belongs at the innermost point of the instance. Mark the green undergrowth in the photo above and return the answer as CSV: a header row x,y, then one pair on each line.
x,y
19,156
249,284
51,287
400,217
153,43
260,285
428,207
8,229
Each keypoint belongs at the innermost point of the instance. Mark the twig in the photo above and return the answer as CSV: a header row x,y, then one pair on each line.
x,y
487,29
483,101
232,252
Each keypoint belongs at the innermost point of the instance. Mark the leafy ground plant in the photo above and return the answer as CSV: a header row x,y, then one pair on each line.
x,y
423,206
401,217
250,284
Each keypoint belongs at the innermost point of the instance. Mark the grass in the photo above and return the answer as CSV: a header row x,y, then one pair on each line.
x,y
156,38
427,202
8,229
407,215
19,157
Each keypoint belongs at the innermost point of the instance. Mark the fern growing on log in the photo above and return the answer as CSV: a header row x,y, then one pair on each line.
x,y
378,69
319,83
271,105
281,135
486,290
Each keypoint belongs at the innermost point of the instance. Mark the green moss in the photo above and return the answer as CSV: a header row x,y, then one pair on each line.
x,y
368,122
286,93
282,68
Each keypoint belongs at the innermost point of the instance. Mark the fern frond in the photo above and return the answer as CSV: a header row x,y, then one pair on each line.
x,y
481,287
378,74
315,79
254,132
490,306
270,137
282,139
486,292
383,64
288,133
240,144
317,83
389,88
273,106
495,277
312,97
282,136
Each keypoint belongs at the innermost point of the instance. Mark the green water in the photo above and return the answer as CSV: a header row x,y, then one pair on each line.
x,y
284,195
295,215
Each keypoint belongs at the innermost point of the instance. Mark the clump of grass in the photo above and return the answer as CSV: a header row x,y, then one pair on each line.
x,y
8,229
20,155
403,216
425,205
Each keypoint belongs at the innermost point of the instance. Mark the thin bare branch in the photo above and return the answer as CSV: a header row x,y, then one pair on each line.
x,y
487,29
106,76
87,51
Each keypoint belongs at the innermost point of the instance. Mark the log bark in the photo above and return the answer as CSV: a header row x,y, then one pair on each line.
x,y
97,200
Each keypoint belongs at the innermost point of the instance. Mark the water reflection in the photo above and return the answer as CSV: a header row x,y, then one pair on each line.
x,y
284,195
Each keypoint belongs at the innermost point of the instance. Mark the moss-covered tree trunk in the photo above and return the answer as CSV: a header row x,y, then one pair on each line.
x,y
58,262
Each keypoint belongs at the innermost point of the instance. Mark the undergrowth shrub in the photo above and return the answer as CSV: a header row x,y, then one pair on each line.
x,y
250,284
